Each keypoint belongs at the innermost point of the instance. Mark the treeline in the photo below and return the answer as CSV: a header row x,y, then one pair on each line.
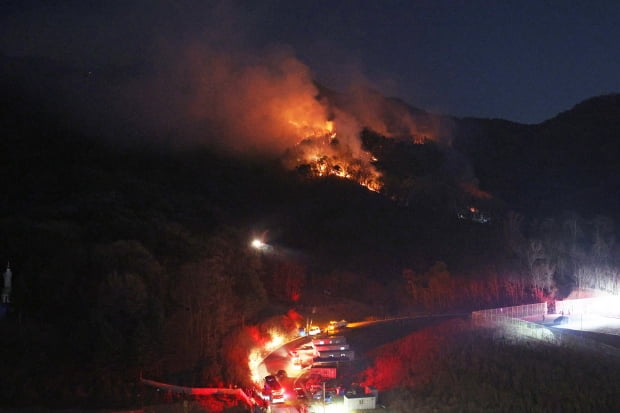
x,y
436,289
564,252
85,323
104,293
543,260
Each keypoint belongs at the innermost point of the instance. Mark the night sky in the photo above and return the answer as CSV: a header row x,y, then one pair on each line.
x,y
524,61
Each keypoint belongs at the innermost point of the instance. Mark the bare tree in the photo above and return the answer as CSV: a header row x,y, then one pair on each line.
x,y
603,238
513,232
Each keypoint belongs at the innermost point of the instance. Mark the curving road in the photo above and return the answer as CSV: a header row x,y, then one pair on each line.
x,y
361,336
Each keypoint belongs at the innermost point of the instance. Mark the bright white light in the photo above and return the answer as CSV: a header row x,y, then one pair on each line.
x,y
258,244
596,323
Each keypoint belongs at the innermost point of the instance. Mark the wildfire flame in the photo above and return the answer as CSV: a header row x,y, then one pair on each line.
x,y
306,129
320,152
271,106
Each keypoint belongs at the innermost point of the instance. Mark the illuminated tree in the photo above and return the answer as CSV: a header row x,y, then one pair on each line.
x,y
570,242
515,288
603,239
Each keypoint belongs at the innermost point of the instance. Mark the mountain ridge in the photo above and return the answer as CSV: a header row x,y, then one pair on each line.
x,y
561,160
567,157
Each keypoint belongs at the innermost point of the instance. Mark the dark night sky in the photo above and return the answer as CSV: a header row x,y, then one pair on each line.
x,y
523,60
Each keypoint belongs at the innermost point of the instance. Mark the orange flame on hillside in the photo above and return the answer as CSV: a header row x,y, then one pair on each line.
x,y
271,106
320,152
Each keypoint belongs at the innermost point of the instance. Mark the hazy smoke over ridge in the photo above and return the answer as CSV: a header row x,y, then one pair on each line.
x,y
265,102
195,72
244,102
259,105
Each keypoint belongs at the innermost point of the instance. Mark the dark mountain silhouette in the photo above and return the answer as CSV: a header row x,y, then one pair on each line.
x,y
568,162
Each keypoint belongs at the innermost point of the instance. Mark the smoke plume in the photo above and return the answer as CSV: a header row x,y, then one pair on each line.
x,y
263,104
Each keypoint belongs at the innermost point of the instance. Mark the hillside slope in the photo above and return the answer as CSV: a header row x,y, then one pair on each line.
x,y
568,162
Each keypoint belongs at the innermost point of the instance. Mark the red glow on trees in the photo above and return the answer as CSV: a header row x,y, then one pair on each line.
x,y
294,316
287,280
411,360
254,332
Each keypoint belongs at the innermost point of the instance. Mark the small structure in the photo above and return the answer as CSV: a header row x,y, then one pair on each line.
x,y
6,289
365,401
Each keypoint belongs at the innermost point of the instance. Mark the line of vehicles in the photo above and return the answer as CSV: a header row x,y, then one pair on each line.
x,y
324,347
315,330
276,392
277,388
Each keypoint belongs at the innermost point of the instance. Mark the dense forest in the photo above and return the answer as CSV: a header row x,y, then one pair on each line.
x,y
132,256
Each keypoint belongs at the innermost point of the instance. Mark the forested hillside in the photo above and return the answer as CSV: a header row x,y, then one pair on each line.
x,y
131,254
567,163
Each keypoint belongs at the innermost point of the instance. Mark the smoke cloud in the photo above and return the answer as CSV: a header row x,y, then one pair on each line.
x,y
244,102
204,72
262,104
265,102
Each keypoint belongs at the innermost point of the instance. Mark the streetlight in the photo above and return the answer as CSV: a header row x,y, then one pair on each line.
x,y
258,244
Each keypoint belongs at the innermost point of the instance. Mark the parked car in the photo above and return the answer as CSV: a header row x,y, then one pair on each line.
x,y
561,320
273,389
314,330
336,325
318,395
301,394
